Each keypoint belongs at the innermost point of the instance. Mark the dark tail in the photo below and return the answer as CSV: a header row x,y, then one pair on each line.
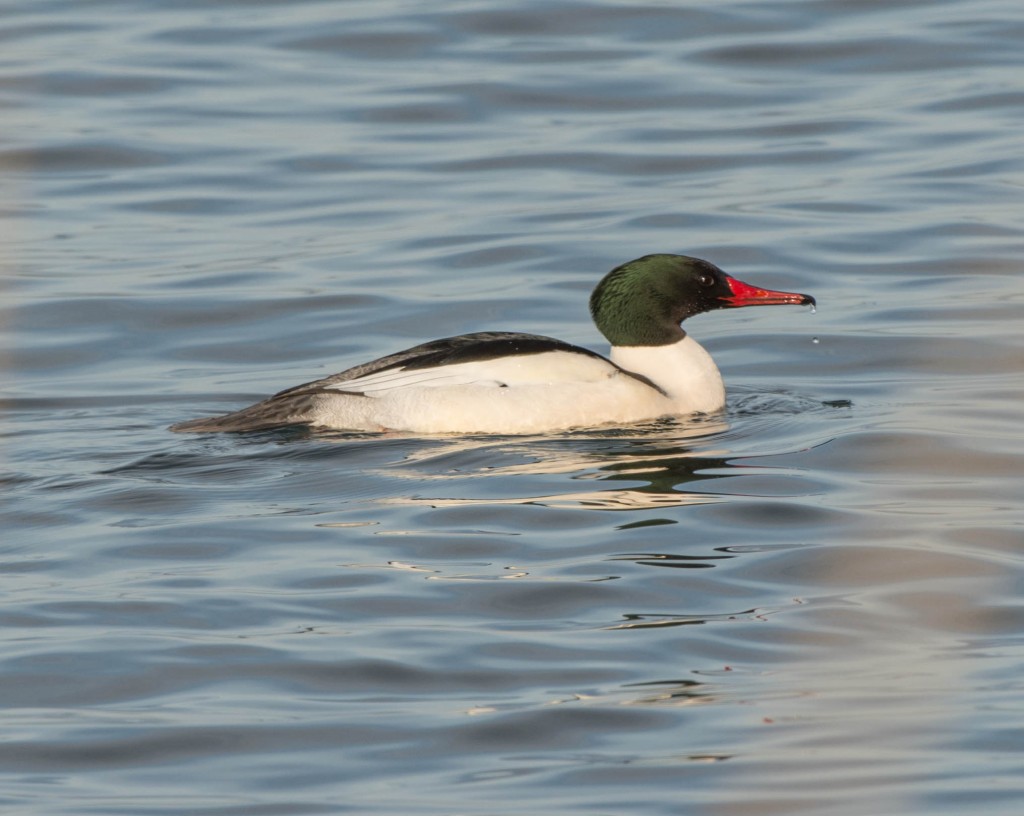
x,y
277,412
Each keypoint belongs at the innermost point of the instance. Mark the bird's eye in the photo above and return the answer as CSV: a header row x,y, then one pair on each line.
x,y
705,279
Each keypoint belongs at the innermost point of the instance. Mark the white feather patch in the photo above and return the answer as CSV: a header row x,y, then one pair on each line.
x,y
530,369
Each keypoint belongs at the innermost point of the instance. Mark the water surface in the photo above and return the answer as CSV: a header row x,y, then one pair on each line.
x,y
809,605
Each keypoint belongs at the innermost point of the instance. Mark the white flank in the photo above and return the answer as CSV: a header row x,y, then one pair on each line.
x,y
531,393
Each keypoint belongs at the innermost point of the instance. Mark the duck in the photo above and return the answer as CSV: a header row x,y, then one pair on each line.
x,y
497,382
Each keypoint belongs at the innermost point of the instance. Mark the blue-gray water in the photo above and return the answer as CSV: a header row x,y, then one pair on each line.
x,y
812,607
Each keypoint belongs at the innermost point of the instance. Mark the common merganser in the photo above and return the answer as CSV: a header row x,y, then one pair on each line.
x,y
514,383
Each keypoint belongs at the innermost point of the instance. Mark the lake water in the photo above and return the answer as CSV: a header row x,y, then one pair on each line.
x,y
812,605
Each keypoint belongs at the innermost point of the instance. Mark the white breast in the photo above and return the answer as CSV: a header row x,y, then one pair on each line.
x,y
684,370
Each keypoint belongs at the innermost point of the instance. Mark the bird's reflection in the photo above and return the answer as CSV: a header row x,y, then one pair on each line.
x,y
656,461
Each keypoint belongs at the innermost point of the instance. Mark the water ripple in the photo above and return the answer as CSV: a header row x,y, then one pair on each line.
x,y
203,205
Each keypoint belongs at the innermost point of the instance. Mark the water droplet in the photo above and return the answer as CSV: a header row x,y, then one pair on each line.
x,y
814,309
815,340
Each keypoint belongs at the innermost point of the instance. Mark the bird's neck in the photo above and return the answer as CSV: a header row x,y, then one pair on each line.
x,y
683,370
